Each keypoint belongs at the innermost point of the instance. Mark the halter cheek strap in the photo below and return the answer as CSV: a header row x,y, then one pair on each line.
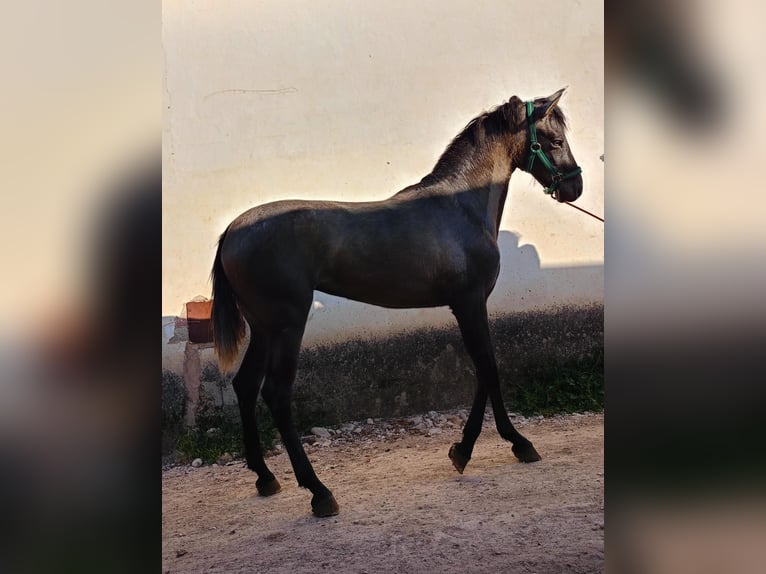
x,y
536,152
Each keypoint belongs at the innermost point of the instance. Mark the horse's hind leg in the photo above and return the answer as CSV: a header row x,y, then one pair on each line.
x,y
471,315
276,392
247,382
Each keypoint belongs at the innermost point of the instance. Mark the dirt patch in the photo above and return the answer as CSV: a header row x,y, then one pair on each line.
x,y
403,508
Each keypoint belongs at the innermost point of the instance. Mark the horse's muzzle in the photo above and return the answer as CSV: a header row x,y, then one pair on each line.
x,y
568,190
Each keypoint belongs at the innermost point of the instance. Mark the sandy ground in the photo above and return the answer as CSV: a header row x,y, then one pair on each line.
x,y
403,508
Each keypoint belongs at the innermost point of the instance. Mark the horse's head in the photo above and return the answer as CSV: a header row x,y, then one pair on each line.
x,y
548,157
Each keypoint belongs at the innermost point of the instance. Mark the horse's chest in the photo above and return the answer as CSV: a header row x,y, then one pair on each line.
x,y
483,262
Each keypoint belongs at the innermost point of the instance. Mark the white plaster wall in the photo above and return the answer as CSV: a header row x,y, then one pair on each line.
x,y
356,100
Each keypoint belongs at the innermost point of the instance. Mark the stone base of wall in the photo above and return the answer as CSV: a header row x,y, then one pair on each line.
x,y
418,371
429,369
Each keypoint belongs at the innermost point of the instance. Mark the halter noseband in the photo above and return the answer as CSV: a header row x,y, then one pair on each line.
x,y
536,151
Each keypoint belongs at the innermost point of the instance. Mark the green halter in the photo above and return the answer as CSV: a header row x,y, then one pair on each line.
x,y
536,151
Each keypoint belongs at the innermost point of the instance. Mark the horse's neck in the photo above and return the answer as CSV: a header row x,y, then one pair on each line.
x,y
496,194
479,184
485,190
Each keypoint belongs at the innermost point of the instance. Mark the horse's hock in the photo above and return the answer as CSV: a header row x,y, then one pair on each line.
x,y
408,373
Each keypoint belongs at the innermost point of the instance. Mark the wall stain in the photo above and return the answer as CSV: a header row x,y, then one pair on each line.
x,y
273,92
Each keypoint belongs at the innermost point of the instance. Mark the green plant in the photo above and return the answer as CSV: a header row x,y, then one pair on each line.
x,y
173,397
198,443
217,432
574,387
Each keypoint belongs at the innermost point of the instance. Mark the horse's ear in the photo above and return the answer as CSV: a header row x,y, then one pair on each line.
x,y
544,106
554,99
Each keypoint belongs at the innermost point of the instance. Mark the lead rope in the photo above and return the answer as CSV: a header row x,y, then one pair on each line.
x,y
585,211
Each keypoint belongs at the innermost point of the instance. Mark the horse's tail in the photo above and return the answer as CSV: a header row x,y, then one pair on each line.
x,y
228,324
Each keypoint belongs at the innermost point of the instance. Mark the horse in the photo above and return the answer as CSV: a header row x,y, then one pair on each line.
x,y
431,244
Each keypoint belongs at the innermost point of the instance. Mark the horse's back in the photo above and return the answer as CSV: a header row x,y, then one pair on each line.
x,y
276,211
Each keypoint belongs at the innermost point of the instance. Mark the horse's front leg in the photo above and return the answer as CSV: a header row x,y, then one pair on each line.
x,y
471,315
460,452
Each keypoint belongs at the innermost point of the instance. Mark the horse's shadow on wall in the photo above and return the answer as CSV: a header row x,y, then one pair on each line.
x,y
519,268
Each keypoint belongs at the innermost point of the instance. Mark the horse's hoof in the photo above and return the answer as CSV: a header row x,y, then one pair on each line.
x,y
459,460
267,487
526,453
325,506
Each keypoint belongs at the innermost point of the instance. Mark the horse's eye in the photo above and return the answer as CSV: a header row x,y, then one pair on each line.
x,y
558,143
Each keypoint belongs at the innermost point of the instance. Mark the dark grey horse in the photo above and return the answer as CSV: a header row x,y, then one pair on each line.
x,y
432,244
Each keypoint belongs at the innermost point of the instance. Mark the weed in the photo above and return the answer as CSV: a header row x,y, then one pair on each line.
x,y
575,386
217,433
173,399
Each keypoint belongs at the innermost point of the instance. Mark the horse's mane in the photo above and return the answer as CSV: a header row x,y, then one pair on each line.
x,y
508,117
